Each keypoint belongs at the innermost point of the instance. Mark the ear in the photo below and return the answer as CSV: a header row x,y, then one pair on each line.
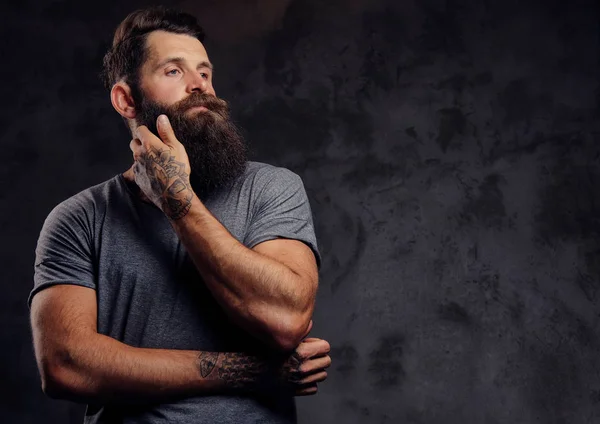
x,y
122,101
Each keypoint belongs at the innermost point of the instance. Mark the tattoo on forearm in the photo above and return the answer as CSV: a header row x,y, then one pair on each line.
x,y
208,360
242,371
169,181
247,372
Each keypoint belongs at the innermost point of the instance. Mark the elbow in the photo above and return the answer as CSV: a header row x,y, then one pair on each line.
x,y
288,336
59,381
283,329
286,342
54,382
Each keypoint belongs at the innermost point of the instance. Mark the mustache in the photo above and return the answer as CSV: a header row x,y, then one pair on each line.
x,y
210,102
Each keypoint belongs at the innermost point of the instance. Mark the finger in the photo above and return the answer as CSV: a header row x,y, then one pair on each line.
x,y
165,130
145,136
315,364
311,389
313,348
135,146
314,378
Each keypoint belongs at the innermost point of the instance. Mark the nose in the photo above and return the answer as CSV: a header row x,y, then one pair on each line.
x,y
197,83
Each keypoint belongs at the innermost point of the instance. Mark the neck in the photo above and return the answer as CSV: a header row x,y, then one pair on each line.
x,y
130,179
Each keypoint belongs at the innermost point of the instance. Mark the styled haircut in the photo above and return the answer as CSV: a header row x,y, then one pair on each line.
x,y
129,51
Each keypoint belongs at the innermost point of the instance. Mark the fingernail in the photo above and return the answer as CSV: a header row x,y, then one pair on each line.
x,y
163,120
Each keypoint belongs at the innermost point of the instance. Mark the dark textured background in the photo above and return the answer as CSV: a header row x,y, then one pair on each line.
x,y
450,152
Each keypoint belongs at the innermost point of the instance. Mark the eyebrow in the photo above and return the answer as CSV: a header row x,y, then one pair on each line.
x,y
180,60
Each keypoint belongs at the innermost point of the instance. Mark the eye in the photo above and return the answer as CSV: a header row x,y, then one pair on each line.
x,y
173,71
204,75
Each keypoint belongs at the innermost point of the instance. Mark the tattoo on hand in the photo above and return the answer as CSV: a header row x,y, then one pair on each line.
x,y
168,181
292,367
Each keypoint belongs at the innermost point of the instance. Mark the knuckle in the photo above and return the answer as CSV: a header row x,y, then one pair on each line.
x,y
304,368
320,376
301,352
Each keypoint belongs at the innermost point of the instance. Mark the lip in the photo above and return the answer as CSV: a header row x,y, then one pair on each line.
x,y
198,109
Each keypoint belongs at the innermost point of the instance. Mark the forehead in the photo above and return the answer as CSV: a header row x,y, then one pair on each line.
x,y
162,45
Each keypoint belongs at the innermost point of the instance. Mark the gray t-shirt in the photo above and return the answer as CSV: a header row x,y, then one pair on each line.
x,y
148,291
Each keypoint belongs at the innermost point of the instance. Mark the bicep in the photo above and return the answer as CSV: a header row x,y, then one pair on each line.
x,y
294,254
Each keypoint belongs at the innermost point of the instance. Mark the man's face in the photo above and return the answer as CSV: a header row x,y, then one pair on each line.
x,y
176,66
176,79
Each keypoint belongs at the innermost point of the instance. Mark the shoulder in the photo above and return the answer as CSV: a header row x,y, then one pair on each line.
x,y
83,207
274,188
263,175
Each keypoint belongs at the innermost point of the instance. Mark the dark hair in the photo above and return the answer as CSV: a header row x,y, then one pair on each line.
x,y
128,52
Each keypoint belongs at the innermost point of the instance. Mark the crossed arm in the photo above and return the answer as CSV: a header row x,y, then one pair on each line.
x,y
79,364
269,291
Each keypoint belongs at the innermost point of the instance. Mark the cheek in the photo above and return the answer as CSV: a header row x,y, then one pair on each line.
x,y
210,89
171,96
167,92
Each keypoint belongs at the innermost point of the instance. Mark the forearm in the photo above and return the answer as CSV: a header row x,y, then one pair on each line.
x,y
102,369
261,294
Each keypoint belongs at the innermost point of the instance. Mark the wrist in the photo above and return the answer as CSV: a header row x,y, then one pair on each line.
x,y
243,373
176,202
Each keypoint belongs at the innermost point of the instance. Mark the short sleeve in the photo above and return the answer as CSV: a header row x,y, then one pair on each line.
x,y
64,249
281,210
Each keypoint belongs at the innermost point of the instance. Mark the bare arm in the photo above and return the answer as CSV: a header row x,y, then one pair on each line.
x,y
77,363
269,290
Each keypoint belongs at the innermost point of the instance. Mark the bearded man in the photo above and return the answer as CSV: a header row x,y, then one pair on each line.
x,y
182,290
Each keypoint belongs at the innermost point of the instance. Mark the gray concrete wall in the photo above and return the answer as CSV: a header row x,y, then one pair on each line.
x,y
451,153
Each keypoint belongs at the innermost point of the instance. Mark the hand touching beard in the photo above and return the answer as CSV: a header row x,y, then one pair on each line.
x,y
216,150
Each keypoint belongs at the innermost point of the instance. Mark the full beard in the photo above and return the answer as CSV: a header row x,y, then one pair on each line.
x,y
214,145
